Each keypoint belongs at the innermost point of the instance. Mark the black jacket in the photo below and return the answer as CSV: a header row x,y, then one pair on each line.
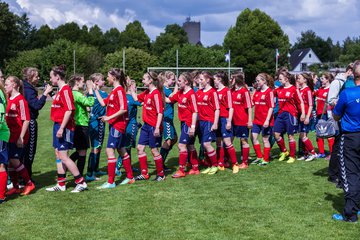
x,y
31,96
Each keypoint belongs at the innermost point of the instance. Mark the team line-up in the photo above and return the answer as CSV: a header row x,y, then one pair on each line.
x,y
210,107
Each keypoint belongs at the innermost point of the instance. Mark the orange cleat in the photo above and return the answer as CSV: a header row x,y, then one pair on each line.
x,y
243,166
178,174
28,189
13,191
193,172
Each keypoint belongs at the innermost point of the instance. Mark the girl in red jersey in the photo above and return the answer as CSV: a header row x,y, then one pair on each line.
x,y
224,131
321,96
17,119
150,134
209,110
289,99
263,100
306,87
62,114
242,119
117,116
188,112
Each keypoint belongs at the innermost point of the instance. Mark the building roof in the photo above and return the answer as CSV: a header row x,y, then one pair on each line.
x,y
297,56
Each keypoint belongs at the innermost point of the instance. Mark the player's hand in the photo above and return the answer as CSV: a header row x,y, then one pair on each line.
x,y
48,89
104,118
302,117
214,127
192,132
250,125
20,142
59,133
228,125
266,124
157,132
306,121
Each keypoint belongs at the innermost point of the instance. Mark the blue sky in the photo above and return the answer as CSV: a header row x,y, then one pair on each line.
x,y
328,18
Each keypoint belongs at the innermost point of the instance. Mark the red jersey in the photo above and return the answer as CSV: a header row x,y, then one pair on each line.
x,y
225,101
115,102
17,111
241,103
263,101
307,98
207,103
289,98
321,96
63,101
186,105
153,105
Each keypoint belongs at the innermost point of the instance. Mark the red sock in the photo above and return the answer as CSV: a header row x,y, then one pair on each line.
x,y
320,143
267,154
14,177
143,164
281,144
61,179
220,155
3,184
21,170
194,160
245,155
80,179
159,165
308,145
212,157
207,159
111,170
232,154
182,160
127,166
292,147
257,149
331,144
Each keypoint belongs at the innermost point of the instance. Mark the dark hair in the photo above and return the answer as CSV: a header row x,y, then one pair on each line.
x,y
328,76
209,76
18,82
356,69
223,77
266,77
187,77
239,78
309,80
60,71
157,83
119,76
75,78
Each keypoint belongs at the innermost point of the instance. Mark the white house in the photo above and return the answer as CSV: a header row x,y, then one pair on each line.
x,y
301,59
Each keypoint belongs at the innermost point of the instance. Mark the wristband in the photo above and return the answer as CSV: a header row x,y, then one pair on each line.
x,y
192,126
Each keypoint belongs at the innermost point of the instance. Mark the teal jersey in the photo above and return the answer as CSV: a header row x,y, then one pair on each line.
x,y
132,107
169,107
81,103
97,110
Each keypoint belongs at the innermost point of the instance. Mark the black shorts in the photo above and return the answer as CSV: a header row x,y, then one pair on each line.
x,y
81,138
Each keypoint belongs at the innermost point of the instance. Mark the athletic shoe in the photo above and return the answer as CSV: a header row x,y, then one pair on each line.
x,y
243,166
257,161
28,189
321,155
100,173
107,186
291,160
127,181
221,168
283,155
91,178
310,157
2,200
56,188
213,170
142,177
9,185
178,174
302,158
263,163
159,178
193,172
13,191
235,168
327,158
206,171
340,217
80,187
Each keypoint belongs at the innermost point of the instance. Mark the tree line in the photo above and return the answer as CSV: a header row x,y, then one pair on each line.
x,y
252,41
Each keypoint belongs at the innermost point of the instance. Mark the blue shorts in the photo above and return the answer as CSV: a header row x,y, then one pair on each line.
x,y
304,127
116,139
260,129
241,131
96,133
130,134
15,152
285,122
64,143
4,154
206,134
222,131
184,135
147,137
169,130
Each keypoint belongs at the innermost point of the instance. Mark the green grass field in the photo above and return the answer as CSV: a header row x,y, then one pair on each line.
x,y
279,201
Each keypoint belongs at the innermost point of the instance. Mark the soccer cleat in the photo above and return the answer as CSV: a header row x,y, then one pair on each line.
x,y
263,163
142,177
80,187
235,168
221,168
178,174
283,156
213,170
91,178
193,172
206,171
127,181
321,155
243,166
302,158
257,161
338,217
9,185
13,191
28,189
291,160
56,188
107,186
2,200
327,158
310,157
159,178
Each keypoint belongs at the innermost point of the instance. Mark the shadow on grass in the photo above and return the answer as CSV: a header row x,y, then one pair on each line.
x,y
44,179
322,172
336,199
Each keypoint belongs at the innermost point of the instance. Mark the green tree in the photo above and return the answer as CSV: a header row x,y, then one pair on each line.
x,y
69,31
96,37
112,41
351,51
43,37
26,33
174,35
134,36
253,41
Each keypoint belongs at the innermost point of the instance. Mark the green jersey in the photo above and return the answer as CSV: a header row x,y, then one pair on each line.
x,y
4,130
81,103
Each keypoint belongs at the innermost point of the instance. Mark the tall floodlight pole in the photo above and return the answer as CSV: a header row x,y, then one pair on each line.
x,y
177,62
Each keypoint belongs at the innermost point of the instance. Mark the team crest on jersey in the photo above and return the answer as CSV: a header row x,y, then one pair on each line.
x,y
112,97
13,106
57,97
148,101
220,96
238,96
184,100
287,94
205,98
263,97
325,94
